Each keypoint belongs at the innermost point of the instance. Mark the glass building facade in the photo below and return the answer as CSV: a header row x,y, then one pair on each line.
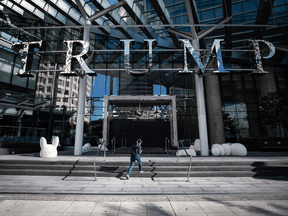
x,y
45,104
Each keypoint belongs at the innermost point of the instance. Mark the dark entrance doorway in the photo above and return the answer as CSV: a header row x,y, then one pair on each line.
x,y
153,133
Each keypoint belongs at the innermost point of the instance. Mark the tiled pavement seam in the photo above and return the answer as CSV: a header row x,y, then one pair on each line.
x,y
10,184
86,208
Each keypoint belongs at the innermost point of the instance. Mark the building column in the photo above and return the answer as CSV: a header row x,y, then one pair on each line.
x,y
214,110
268,84
202,121
174,131
105,121
81,100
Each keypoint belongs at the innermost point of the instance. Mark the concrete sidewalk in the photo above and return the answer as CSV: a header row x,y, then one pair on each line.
x,y
190,208
67,195
81,196
10,184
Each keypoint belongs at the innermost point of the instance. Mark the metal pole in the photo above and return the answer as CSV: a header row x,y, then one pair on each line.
x,y
95,169
104,152
199,89
95,158
107,10
81,101
114,141
188,180
178,153
166,144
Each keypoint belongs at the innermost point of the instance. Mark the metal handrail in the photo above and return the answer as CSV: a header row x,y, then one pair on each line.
x,y
167,143
94,158
113,141
188,180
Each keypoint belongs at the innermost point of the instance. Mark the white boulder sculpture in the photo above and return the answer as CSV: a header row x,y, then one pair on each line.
x,y
48,150
183,153
238,149
103,147
86,147
218,150
227,148
197,144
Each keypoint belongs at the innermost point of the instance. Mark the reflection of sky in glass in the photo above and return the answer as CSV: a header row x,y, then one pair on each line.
x,y
159,90
99,86
98,91
112,2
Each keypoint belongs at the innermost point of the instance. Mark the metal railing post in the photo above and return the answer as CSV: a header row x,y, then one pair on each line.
x,y
188,180
188,175
104,152
95,169
167,143
178,152
114,142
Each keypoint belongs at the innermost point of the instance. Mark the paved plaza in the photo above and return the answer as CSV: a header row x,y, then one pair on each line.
x,y
90,208
72,195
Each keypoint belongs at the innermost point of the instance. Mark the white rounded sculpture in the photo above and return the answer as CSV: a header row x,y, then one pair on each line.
x,y
216,151
86,147
221,149
183,153
102,148
238,149
48,150
191,147
227,148
197,144
56,140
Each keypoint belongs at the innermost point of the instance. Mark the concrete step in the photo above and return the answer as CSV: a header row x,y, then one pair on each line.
x,y
170,162
171,168
107,173
156,168
145,168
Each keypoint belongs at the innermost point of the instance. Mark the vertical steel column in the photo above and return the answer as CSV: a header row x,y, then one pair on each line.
x,y
105,120
202,122
81,100
174,132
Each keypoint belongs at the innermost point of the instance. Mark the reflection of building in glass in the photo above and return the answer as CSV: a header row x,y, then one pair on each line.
x,y
63,93
52,105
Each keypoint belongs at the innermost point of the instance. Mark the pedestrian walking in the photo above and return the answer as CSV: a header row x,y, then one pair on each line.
x,y
135,156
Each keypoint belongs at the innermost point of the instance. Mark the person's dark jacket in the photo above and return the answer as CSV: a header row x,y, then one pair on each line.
x,y
136,150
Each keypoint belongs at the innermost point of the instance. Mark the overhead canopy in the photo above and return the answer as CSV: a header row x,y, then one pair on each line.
x,y
19,102
152,15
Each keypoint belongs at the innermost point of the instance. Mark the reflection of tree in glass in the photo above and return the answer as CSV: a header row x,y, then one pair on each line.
x,y
274,110
229,125
233,126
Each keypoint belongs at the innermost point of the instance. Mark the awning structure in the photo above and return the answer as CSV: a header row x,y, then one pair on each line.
x,y
157,19
16,104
